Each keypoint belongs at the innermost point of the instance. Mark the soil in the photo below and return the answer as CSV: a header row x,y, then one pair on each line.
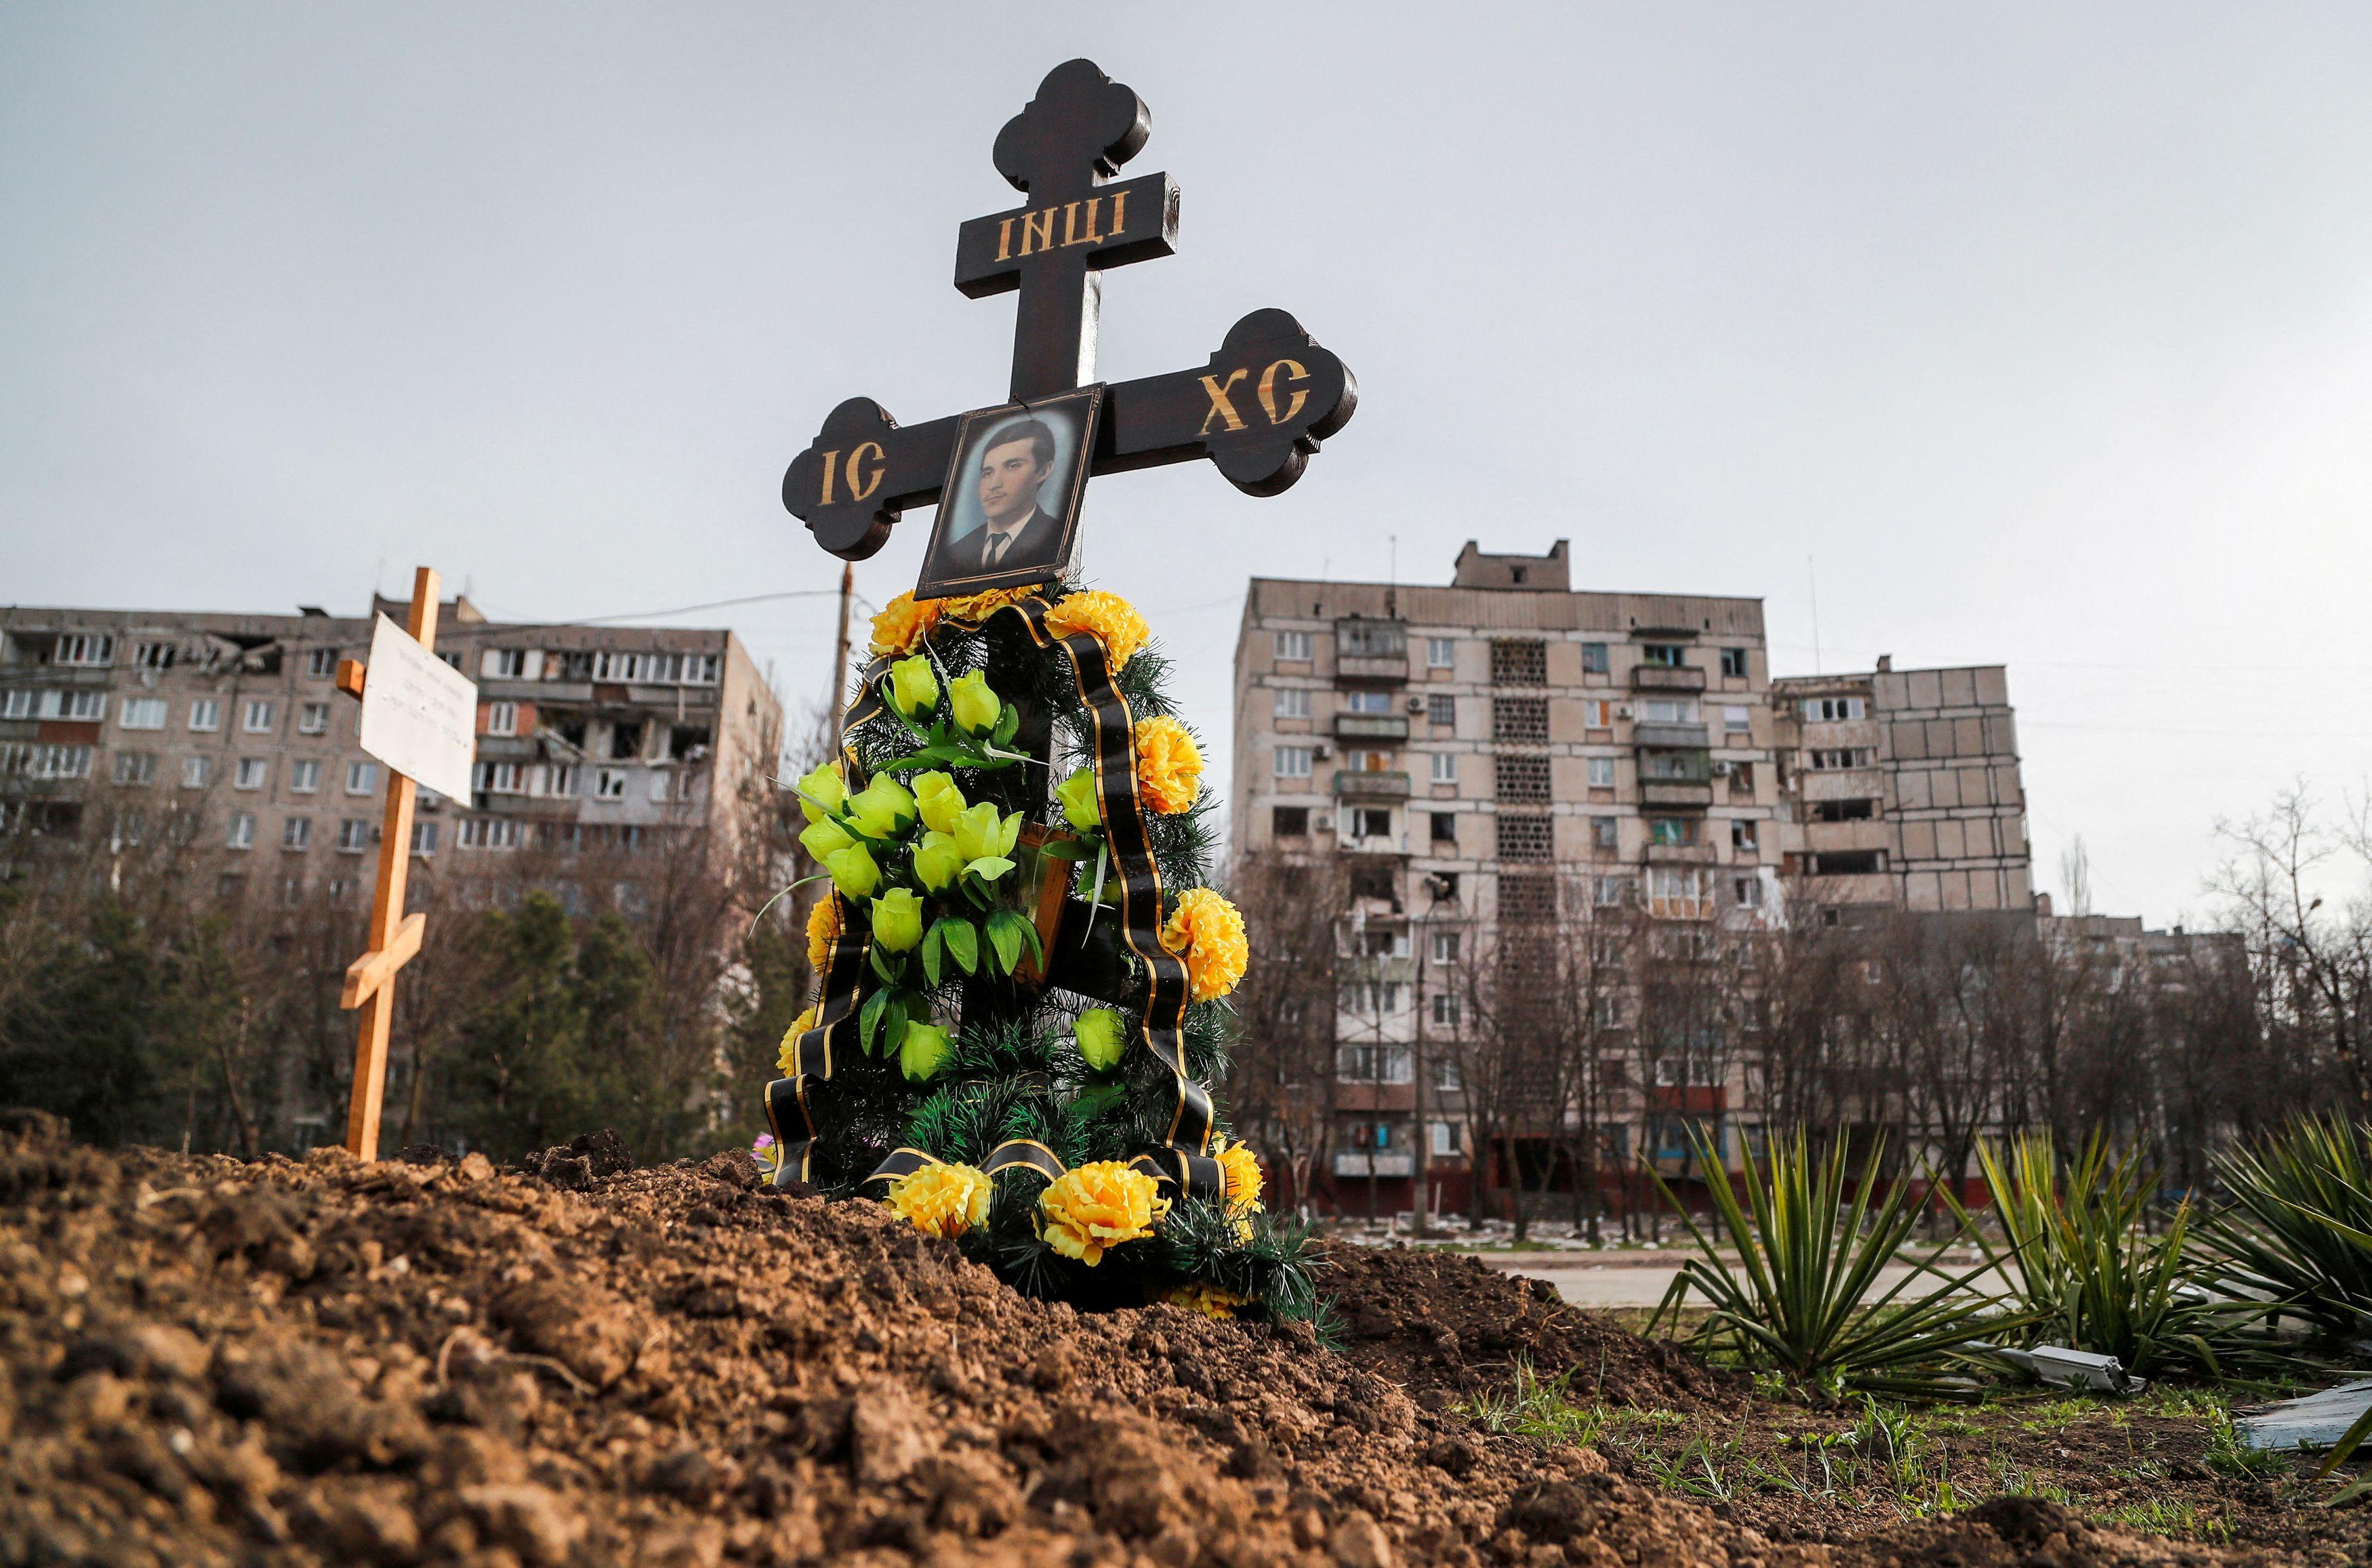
x,y
210,1361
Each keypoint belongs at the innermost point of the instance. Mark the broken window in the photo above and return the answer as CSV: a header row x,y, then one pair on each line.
x,y
1846,863
1371,822
1357,638
1289,822
1372,882
1733,662
1444,828
1671,655
687,742
626,740
1860,810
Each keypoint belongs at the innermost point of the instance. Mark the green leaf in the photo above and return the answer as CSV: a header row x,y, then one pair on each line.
x,y
868,1018
963,943
933,940
1005,931
1069,848
1008,723
893,1032
989,867
881,965
929,756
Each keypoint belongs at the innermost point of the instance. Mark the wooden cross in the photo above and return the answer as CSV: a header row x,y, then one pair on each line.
x,y
1257,409
394,935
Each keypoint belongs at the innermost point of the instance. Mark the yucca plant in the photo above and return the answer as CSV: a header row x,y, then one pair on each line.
x,y
1808,1255
2089,1277
2299,1228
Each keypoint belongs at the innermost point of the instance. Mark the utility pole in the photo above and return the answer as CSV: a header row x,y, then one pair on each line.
x,y
839,703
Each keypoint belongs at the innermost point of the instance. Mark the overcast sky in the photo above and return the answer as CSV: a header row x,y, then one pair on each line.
x,y
2039,336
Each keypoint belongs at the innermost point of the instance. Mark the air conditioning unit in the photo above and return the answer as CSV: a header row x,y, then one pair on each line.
x,y
1416,705
1325,824
1721,769
1321,751
1623,711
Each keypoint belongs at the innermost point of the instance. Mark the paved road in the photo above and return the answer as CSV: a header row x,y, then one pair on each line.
x,y
1634,1280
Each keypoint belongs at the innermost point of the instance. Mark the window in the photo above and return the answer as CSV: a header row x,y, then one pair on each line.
x,y
1521,776
1602,772
700,669
1860,810
1372,1064
1357,638
1523,836
1371,822
625,741
1518,662
647,668
1293,645
1610,892
1827,759
1440,653
1593,658
1671,830
1444,828
501,718
510,778
1846,863
136,767
1831,709
259,716
1292,761
1444,767
1605,832
661,783
1441,708
1445,1010
154,655
1293,701
90,648
556,778
1596,713
296,833
1741,834
1733,662
1609,1010
1689,767
1374,882
1289,822
205,714
45,761
142,712
322,663
609,783
17,704
490,832
1736,720
1670,656
197,771
252,773
1443,947
1679,893
1444,1137
56,706
1667,710
353,836
362,778
313,718
503,664
1369,702
424,838
1741,781
1520,721
1750,892
242,830
305,776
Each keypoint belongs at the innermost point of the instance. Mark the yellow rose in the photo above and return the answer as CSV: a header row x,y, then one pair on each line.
x,y
822,840
923,1051
786,1060
939,799
913,688
882,808
896,920
1206,931
1209,1300
1243,1173
942,1199
900,628
1102,1034
974,609
853,871
1099,1205
1108,618
822,790
823,925
976,707
937,860
1078,795
981,834
1168,765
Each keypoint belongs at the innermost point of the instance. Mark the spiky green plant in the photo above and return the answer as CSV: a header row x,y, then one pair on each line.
x,y
2080,1264
1809,1259
2299,1227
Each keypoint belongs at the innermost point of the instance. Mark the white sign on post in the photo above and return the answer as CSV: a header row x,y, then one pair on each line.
x,y
420,715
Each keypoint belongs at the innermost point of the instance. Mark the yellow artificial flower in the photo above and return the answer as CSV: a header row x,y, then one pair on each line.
x,y
923,1051
853,871
883,808
1078,795
1209,1300
898,920
824,839
1099,1205
913,688
974,609
939,799
942,1199
1243,1172
1168,765
823,925
1108,618
975,706
786,1060
1206,931
1102,1034
937,862
900,628
822,790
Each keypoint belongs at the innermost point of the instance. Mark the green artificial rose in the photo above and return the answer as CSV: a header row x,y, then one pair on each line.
x,y
824,839
914,688
883,808
1102,1036
981,834
940,801
853,871
821,792
924,1052
975,706
898,919
1081,810
937,860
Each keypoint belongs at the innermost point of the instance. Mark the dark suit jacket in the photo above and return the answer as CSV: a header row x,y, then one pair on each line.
x,y
1033,546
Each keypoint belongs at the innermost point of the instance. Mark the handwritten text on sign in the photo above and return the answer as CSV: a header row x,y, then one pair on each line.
x,y
420,715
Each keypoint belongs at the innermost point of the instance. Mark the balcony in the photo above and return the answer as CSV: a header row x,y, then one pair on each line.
x,y
1363,785
1667,678
1668,793
1370,727
1680,737
1360,1164
1373,669
1682,855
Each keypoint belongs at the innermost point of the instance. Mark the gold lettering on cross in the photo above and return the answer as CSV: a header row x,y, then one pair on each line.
x,y
1037,231
1004,241
1071,235
1268,391
861,485
1221,408
830,459
1119,213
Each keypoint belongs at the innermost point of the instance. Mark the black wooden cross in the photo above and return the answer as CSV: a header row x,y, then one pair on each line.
x,y
1257,410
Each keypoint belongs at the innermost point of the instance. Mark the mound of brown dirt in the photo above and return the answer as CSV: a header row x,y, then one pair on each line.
x,y
1440,1324
209,1363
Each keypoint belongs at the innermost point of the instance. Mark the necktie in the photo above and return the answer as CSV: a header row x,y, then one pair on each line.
x,y
997,544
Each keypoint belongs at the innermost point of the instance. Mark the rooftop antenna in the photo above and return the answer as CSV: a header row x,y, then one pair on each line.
x,y
1815,578
1392,573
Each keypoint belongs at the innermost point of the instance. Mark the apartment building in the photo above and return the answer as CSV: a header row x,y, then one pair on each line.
x,y
227,729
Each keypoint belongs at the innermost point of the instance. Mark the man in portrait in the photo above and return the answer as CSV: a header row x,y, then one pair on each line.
x,y
1015,462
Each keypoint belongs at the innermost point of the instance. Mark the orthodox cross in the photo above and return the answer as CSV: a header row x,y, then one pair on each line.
x,y
1257,409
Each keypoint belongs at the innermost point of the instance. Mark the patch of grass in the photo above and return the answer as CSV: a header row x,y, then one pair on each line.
x,y
2228,1456
2167,1517
1539,1409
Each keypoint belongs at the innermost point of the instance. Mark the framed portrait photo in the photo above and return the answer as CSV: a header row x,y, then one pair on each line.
x,y
1009,512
